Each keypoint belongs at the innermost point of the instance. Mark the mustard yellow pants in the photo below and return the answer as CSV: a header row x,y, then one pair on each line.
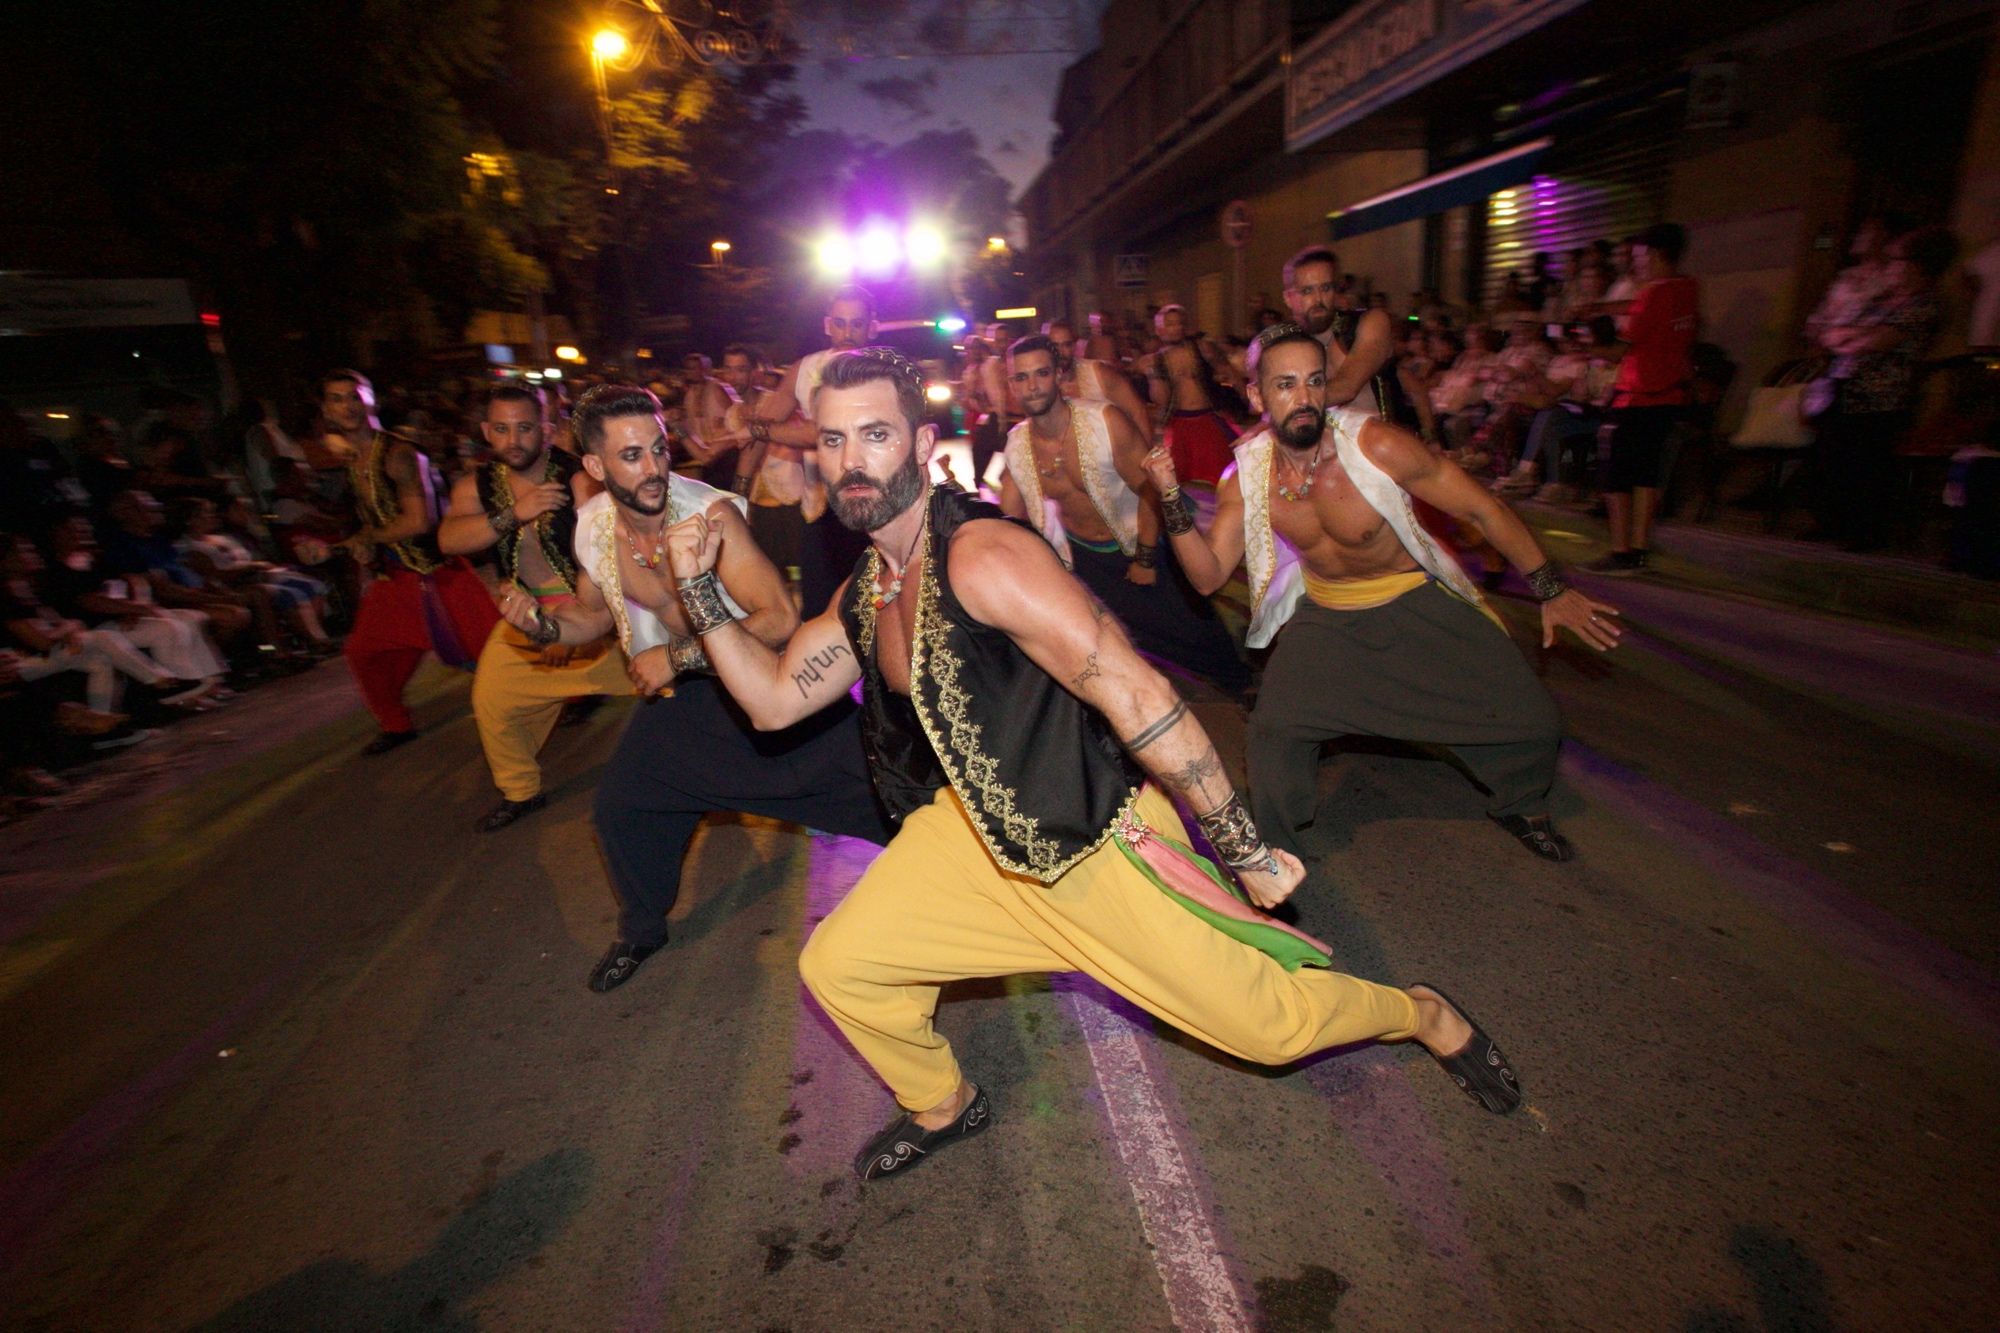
x,y
516,700
936,908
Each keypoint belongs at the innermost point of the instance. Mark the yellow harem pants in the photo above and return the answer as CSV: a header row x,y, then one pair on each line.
x,y
516,700
936,908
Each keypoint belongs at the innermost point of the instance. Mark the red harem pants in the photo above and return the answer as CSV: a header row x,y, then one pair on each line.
x,y
403,616
1199,444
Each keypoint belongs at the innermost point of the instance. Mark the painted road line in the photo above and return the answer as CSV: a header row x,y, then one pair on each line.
x,y
1166,1179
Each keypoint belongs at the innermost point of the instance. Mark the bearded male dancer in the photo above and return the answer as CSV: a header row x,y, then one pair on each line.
x,y
1383,633
420,599
522,505
1076,472
1007,719
1086,377
688,750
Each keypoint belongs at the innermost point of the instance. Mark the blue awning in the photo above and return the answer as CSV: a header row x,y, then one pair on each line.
x,y
1467,183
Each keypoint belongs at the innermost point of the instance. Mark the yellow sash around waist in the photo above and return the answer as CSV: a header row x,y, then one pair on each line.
x,y
1361,594
1367,594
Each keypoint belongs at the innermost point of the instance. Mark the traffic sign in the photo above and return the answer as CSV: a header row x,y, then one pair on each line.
x,y
1129,270
1236,224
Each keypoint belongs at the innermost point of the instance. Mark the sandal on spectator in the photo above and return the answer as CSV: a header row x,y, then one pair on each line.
x,y
1538,834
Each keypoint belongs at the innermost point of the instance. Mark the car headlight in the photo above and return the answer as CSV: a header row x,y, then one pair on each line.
x,y
938,393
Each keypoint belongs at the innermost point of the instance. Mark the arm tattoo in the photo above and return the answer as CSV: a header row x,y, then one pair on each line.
x,y
1158,728
816,665
1190,776
1099,613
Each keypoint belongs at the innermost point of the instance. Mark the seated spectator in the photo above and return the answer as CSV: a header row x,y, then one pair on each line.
x,y
266,448
137,548
224,560
1574,395
1458,397
174,637
1513,392
48,644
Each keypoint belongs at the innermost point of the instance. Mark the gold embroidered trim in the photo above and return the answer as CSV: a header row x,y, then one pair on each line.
x,y
1253,478
610,582
931,660
1094,482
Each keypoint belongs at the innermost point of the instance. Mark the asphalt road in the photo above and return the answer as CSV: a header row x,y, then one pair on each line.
x,y
285,1045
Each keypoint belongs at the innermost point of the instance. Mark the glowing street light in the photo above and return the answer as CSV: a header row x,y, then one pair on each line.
x,y
719,247
996,244
877,252
609,44
834,254
924,244
568,353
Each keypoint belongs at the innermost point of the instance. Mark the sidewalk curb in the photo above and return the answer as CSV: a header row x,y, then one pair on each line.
x,y
1886,590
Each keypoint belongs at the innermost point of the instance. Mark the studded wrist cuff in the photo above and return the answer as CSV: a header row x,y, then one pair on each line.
x,y
701,598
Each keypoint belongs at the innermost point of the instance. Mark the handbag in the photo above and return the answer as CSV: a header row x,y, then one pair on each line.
x,y
1776,417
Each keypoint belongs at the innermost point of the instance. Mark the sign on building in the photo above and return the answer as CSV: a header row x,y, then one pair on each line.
x,y
1129,270
1381,51
51,305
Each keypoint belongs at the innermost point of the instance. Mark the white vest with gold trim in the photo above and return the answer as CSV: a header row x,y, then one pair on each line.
x,y
1116,503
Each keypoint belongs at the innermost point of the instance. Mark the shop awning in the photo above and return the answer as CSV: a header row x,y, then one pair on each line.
x,y
1466,183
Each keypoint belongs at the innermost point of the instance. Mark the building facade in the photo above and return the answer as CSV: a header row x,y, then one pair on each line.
x,y
1441,144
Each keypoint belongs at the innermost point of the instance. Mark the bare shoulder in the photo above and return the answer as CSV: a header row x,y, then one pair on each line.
x,y
1393,449
465,492
1001,570
1374,323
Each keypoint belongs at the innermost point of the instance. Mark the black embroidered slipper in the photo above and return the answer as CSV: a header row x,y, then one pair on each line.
x,y
1478,1067
1538,834
905,1143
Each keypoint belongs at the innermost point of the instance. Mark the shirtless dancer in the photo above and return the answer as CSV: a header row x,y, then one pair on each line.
x,y
688,750
1387,637
705,400
1076,471
1087,377
1182,376
523,501
827,550
1029,755
777,486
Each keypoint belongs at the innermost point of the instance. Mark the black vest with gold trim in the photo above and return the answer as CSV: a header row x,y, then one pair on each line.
x,y
1391,403
375,498
556,530
1037,769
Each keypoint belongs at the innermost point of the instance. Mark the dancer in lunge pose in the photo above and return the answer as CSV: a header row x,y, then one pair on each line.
x,y
1031,756
522,503
1076,471
688,750
1383,633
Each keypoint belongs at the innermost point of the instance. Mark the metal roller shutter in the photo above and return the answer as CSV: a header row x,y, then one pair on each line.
x,y
1606,180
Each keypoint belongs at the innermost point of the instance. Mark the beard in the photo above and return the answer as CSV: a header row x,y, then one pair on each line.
x,y
1038,406
520,457
1316,320
866,514
635,500
1295,432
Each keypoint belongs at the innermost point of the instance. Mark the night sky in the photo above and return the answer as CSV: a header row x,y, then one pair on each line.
x,y
895,85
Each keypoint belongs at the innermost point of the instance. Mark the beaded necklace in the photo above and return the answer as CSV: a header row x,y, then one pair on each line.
x,y
895,588
1305,486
